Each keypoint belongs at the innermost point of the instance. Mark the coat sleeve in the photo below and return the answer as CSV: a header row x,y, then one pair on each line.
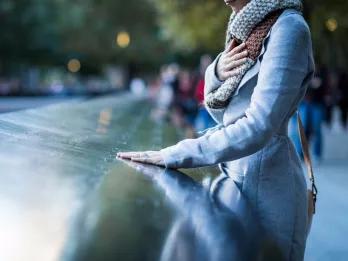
x,y
212,82
283,70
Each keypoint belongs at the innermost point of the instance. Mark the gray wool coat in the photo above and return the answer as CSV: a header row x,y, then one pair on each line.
x,y
251,144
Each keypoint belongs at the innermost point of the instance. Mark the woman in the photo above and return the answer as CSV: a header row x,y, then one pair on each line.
x,y
252,89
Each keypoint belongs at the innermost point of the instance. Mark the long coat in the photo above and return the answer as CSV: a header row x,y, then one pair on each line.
x,y
251,144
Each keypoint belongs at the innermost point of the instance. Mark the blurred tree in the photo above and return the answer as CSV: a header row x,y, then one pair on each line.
x,y
46,32
95,34
192,24
28,31
52,31
329,24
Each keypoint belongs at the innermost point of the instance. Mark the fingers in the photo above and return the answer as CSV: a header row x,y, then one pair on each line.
x,y
149,170
237,56
127,155
133,154
228,67
231,58
149,160
232,45
234,64
142,160
237,49
148,157
231,73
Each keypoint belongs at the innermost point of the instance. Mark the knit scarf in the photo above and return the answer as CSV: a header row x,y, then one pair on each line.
x,y
251,26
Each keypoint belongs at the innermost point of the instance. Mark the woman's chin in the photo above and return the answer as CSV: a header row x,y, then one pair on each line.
x,y
230,2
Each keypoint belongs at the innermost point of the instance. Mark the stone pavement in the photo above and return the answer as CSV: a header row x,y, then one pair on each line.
x,y
327,240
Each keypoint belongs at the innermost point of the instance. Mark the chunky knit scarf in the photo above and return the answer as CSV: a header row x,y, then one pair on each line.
x,y
250,25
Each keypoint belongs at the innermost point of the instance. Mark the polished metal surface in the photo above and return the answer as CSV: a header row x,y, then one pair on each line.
x,y
64,195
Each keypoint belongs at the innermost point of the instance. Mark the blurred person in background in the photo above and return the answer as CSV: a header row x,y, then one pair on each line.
x,y
343,98
203,120
138,86
154,87
331,96
185,106
312,112
165,97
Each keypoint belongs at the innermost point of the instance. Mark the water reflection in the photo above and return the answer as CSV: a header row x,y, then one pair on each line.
x,y
213,223
32,227
104,120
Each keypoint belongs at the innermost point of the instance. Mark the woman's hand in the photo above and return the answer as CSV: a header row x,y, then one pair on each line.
x,y
148,157
231,58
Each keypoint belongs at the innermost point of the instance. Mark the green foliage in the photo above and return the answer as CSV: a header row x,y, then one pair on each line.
x,y
190,25
330,47
193,24
95,34
52,31
28,29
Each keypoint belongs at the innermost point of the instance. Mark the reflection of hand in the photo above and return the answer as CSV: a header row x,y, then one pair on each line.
x,y
231,58
148,170
148,157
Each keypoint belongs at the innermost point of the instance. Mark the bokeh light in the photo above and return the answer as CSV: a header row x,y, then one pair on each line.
x,y
123,39
74,65
331,24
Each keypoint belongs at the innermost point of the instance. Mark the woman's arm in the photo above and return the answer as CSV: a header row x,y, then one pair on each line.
x,y
283,69
223,66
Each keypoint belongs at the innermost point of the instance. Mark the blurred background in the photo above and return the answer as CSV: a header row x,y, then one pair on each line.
x,y
78,48
57,50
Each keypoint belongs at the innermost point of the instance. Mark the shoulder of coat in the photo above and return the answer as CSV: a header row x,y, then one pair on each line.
x,y
291,20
